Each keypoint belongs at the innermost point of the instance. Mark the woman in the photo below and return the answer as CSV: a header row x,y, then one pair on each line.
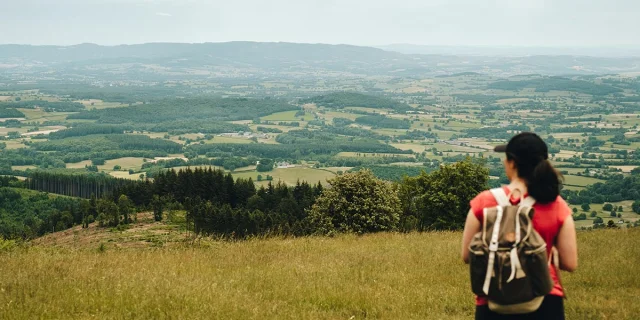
x,y
530,172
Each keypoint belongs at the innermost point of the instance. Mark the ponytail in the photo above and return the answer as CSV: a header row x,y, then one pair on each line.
x,y
543,183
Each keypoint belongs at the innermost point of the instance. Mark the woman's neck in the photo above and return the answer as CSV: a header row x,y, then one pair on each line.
x,y
518,184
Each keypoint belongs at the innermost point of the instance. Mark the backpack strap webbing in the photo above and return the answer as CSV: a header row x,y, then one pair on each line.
x,y
528,202
493,247
501,197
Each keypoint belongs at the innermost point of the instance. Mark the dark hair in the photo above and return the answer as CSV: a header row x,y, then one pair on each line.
x,y
530,154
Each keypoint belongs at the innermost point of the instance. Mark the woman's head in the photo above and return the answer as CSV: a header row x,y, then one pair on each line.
x,y
527,158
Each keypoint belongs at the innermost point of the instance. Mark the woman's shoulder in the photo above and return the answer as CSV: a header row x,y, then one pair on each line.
x,y
483,200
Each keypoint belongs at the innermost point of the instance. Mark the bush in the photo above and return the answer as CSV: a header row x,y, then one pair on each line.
x,y
356,202
7,245
581,216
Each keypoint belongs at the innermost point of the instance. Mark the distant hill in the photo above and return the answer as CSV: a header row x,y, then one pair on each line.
x,y
610,52
267,56
251,59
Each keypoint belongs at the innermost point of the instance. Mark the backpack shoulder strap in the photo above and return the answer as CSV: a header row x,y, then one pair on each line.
x,y
501,197
528,202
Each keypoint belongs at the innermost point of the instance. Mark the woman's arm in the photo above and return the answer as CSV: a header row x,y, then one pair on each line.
x,y
567,246
471,227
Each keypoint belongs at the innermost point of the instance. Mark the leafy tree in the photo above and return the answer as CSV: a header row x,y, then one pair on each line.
x,y
109,211
585,207
620,209
356,202
636,206
265,165
607,207
124,208
575,210
440,200
597,220
613,214
593,214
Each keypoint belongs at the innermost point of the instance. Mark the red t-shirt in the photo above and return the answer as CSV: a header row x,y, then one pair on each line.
x,y
547,220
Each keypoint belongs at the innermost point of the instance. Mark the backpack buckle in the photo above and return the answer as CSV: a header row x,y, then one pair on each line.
x,y
493,246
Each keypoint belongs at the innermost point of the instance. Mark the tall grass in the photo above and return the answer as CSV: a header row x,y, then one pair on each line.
x,y
382,276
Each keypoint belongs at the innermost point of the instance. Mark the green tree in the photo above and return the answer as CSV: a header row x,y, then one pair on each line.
x,y
585,207
356,202
124,208
636,206
440,200
575,210
607,207
157,203
597,220
109,210
593,214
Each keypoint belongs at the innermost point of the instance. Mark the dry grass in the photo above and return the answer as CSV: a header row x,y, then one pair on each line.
x,y
385,276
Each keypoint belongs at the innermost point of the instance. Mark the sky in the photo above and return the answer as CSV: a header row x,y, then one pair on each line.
x,y
531,23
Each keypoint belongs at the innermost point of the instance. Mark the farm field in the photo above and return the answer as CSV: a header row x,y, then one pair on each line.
x,y
580,181
287,116
346,277
290,176
125,164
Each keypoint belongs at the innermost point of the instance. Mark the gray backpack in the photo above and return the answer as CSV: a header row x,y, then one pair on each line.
x,y
508,258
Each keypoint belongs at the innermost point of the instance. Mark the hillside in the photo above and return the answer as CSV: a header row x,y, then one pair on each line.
x,y
145,233
384,275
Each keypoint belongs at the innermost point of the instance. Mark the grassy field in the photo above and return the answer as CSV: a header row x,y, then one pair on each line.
x,y
125,164
99,104
12,144
288,175
41,115
375,155
381,276
80,165
580,181
287,116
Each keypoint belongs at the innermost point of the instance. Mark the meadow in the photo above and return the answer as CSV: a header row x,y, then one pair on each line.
x,y
380,276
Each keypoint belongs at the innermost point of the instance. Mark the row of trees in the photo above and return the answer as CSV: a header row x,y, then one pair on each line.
x,y
217,204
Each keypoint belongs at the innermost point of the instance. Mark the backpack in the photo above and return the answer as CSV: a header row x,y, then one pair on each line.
x,y
508,258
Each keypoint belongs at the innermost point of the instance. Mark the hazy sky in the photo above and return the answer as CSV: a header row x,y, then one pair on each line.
x,y
361,22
